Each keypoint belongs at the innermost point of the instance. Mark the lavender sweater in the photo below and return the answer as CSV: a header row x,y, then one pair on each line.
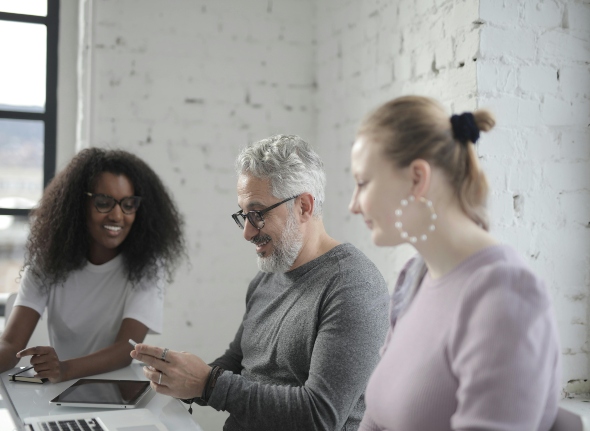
x,y
476,349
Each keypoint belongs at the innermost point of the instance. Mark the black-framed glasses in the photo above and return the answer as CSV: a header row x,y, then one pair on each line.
x,y
255,217
105,203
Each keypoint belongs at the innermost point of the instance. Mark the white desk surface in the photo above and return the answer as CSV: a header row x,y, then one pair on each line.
x,y
581,407
31,399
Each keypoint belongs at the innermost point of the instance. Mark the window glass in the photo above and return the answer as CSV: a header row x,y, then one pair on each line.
x,y
23,50
21,163
13,236
26,7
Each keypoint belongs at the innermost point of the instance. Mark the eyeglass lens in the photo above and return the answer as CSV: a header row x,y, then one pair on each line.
x,y
104,204
255,219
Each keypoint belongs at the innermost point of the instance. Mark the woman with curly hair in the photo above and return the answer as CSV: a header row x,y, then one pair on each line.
x,y
105,237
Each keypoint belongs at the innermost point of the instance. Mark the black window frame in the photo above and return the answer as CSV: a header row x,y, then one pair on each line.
x,y
49,116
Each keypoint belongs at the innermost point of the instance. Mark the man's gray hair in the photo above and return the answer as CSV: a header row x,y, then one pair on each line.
x,y
290,165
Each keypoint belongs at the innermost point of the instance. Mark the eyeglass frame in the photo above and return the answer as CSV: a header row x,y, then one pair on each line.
x,y
119,202
258,213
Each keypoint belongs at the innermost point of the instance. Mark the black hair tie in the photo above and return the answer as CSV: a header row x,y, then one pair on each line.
x,y
464,128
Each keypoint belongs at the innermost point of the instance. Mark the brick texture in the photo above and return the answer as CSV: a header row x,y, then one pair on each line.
x,y
188,83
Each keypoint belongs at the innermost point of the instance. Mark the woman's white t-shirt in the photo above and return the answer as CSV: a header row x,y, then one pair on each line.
x,y
85,314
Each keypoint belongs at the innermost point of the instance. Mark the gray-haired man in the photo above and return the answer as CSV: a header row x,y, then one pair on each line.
x,y
316,313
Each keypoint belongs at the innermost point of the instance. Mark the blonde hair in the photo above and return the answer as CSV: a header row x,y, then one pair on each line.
x,y
415,127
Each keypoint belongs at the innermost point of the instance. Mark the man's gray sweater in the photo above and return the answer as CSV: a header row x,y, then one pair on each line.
x,y
306,347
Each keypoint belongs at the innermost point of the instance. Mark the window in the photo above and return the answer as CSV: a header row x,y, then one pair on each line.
x,y
28,111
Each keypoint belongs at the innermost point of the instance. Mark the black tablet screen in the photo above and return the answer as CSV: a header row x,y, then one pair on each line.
x,y
96,391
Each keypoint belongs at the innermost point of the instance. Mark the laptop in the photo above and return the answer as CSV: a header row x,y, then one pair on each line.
x,y
108,420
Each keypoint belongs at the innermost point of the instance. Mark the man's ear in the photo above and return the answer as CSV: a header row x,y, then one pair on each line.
x,y
305,207
421,175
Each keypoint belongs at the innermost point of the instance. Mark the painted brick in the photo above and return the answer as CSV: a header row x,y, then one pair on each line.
x,y
559,45
575,81
504,107
538,79
575,143
541,144
529,112
506,13
500,142
543,14
557,112
512,43
565,176
424,61
443,54
499,78
578,16
230,72
578,205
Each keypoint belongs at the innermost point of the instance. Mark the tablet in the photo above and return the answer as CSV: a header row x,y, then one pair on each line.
x,y
109,394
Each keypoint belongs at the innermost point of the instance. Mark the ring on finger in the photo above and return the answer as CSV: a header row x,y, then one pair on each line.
x,y
164,353
160,378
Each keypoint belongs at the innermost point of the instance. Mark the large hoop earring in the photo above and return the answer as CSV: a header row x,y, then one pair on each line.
x,y
400,227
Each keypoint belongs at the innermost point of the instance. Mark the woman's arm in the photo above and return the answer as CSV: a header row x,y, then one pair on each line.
x,y
113,357
16,335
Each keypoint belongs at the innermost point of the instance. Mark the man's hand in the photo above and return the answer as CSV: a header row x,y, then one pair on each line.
x,y
45,362
180,375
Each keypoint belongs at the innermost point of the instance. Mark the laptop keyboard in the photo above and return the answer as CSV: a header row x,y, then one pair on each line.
x,y
72,425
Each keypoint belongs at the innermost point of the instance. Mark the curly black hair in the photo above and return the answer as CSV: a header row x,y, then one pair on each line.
x,y
59,241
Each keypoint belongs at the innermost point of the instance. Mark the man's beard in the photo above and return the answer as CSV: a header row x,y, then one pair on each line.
x,y
285,250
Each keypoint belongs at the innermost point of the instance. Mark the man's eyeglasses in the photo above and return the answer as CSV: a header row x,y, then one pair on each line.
x,y
105,203
255,217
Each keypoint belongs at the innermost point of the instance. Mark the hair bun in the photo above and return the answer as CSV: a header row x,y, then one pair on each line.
x,y
464,128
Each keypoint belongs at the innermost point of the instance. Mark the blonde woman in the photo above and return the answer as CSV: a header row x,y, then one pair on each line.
x,y
472,343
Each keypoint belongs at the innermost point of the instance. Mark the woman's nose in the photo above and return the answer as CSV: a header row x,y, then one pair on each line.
x,y
353,205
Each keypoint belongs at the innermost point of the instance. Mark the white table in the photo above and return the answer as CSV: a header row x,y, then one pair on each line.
x,y
31,399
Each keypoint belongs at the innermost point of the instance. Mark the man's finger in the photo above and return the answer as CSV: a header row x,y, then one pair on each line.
x,y
153,362
161,389
153,351
153,374
146,349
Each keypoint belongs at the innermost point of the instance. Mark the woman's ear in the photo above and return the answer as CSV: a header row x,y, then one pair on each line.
x,y
421,175
305,207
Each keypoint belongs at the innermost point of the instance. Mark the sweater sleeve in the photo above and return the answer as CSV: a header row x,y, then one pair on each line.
x,y
231,360
351,329
504,351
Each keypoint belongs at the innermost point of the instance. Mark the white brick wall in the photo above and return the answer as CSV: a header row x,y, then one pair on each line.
x,y
185,84
371,53
537,158
534,72
188,83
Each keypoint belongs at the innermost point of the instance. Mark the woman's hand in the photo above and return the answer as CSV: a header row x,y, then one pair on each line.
x,y
45,362
179,374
